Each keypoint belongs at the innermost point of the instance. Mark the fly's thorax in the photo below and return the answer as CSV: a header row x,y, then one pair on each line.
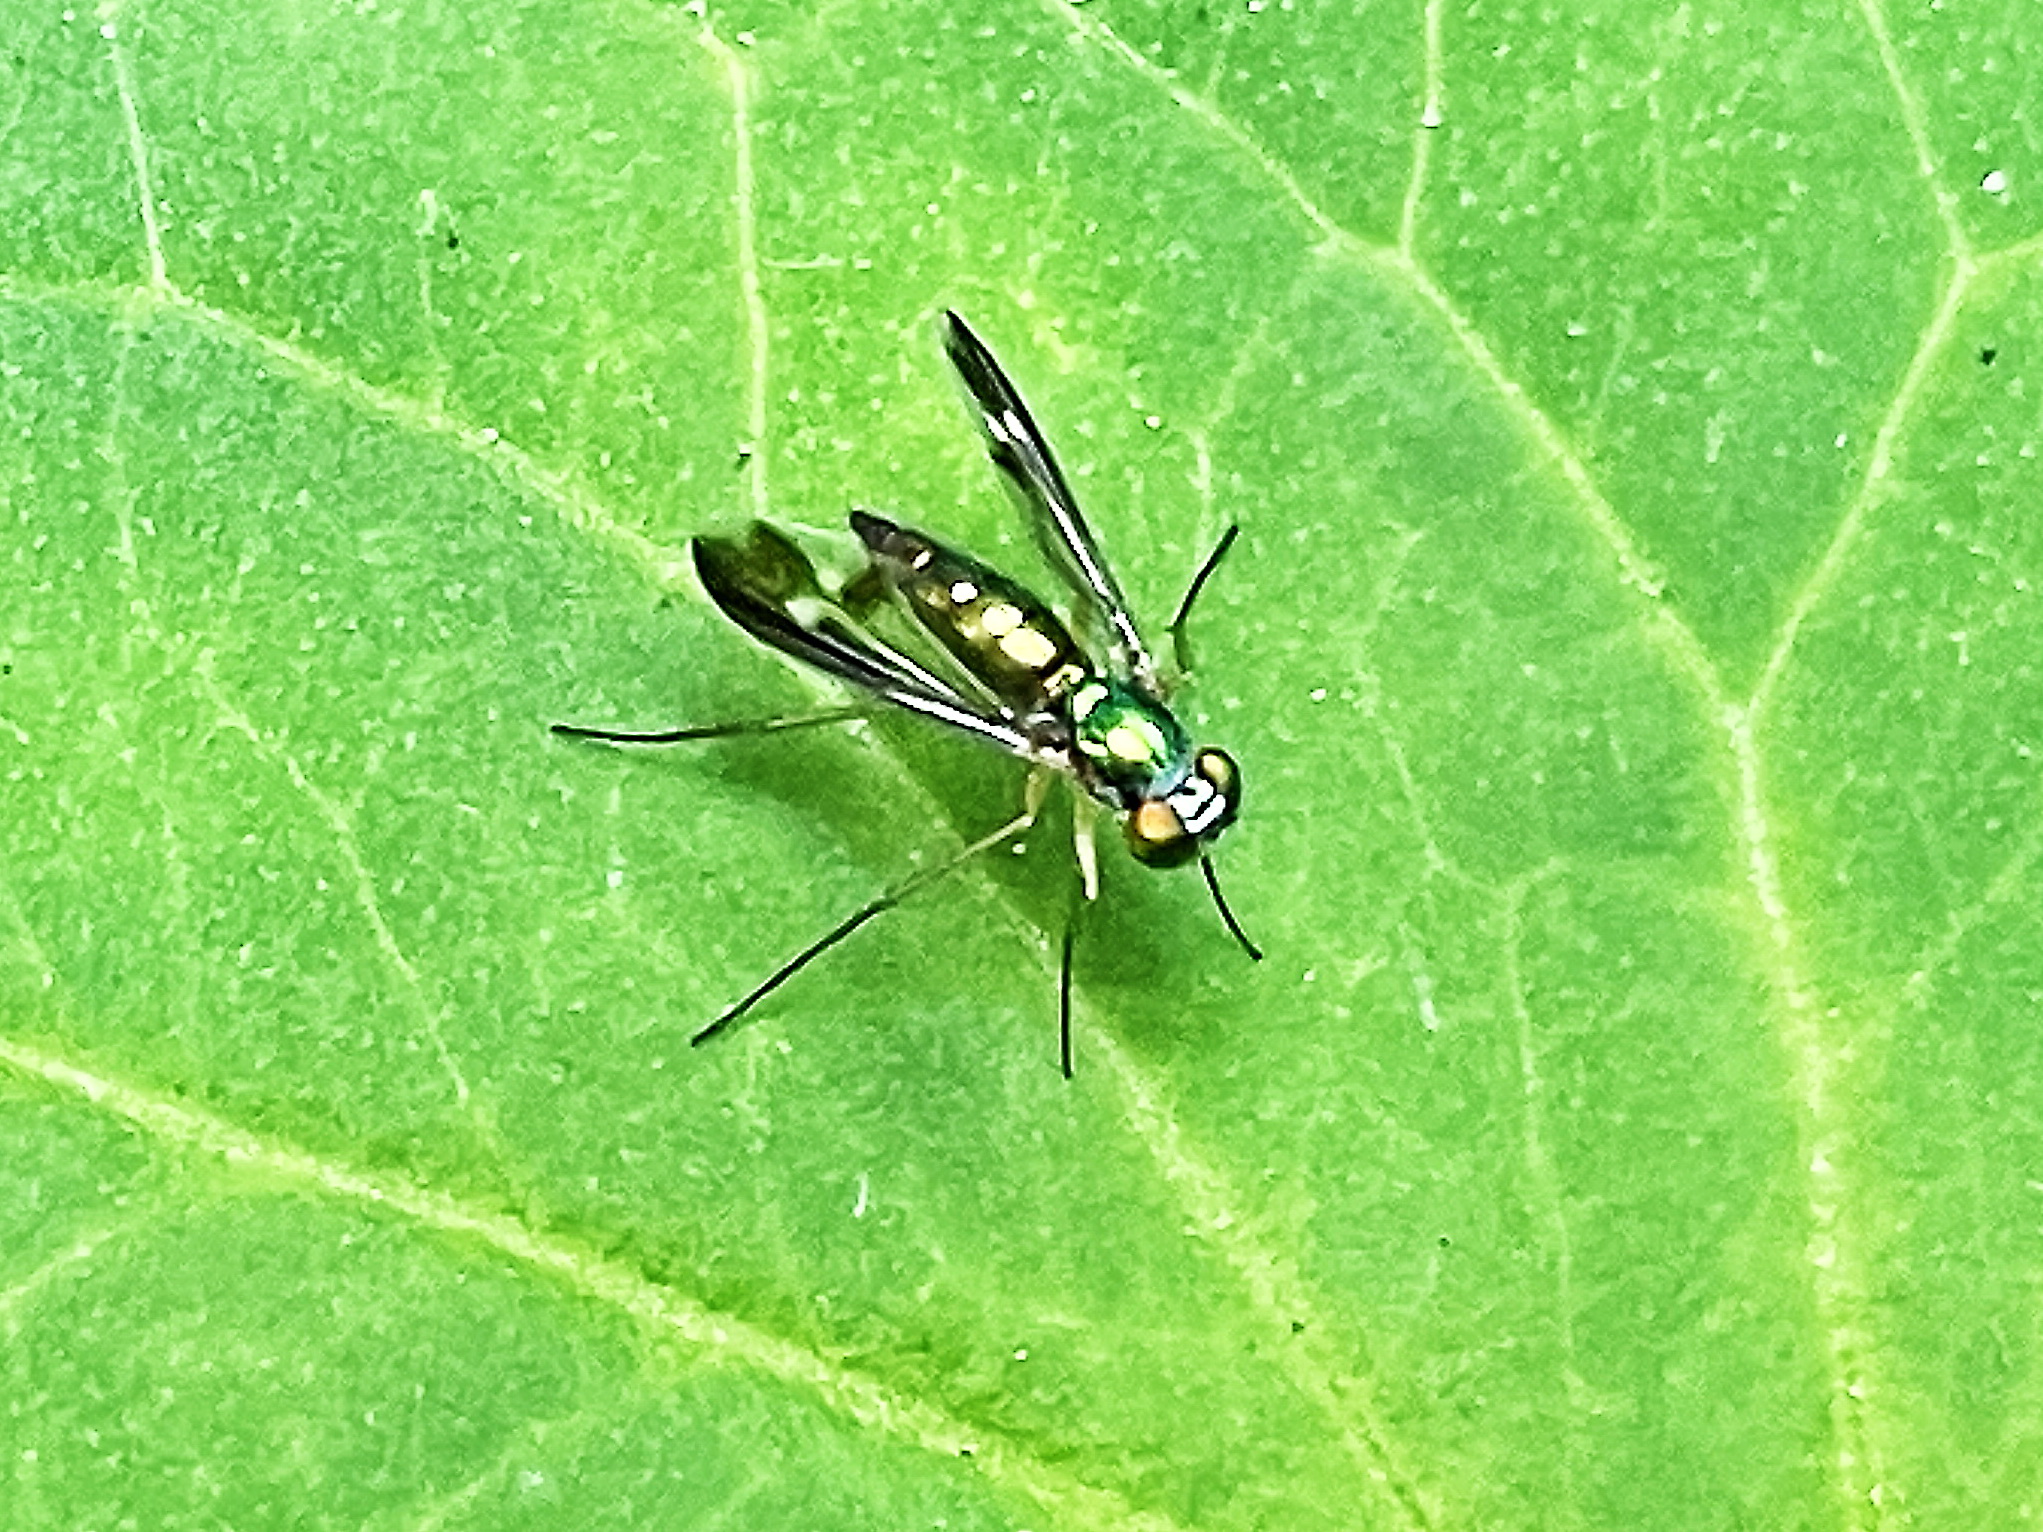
x,y
1010,641
1126,746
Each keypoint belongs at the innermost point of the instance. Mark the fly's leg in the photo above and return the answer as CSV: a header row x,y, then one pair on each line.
x,y
716,730
1085,815
1226,915
1064,992
1019,825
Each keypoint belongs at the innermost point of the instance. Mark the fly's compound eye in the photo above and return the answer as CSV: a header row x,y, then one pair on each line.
x,y
1157,837
1209,800
1168,831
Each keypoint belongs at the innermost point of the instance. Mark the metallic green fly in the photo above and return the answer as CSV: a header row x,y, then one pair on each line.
x,y
1005,669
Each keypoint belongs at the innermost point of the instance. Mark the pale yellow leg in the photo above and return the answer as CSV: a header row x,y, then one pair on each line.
x,y
1084,815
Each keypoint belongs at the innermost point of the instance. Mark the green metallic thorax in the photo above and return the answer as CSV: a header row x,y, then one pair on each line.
x,y
1126,742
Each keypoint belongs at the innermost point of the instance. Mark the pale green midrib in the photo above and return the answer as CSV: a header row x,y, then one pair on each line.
x,y
657,1309
1661,624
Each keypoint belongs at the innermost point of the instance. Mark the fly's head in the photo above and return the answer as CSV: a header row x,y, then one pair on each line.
x,y
1172,828
1131,752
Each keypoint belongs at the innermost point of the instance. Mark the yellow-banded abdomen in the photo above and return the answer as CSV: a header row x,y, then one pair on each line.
x,y
1005,637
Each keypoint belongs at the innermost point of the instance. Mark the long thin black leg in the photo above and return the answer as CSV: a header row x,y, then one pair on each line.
x,y
886,901
1176,629
716,730
790,968
1064,996
1227,915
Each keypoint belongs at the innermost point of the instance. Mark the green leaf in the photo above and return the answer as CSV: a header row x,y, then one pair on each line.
x,y
1630,653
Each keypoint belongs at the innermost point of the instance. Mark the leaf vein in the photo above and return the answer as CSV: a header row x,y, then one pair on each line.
x,y
343,831
79,1250
1544,1176
1816,1056
557,490
138,143
658,1310
2004,887
1096,31
1431,116
1913,120
744,207
1275,1285
1831,564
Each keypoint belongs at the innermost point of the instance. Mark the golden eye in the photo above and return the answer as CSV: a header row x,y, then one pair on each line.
x,y
1155,821
1218,767
1156,836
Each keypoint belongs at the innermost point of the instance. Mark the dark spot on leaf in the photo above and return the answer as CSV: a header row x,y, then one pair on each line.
x,y
1297,1327
1986,356
1445,1242
453,241
745,454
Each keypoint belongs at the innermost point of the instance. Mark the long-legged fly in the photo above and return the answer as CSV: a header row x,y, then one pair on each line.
x,y
1091,706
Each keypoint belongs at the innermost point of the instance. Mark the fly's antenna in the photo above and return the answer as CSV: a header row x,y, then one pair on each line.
x,y
1227,915
1176,628
714,730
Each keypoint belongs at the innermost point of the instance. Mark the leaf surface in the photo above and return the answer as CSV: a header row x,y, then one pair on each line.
x,y
1630,653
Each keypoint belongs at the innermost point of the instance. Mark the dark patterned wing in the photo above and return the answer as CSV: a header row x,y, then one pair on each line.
x,y
768,587
1024,461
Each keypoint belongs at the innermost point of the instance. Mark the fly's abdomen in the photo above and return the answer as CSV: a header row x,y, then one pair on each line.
x,y
1004,636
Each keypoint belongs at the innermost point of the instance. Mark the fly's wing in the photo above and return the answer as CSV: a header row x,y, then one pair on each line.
x,y
768,587
1024,461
